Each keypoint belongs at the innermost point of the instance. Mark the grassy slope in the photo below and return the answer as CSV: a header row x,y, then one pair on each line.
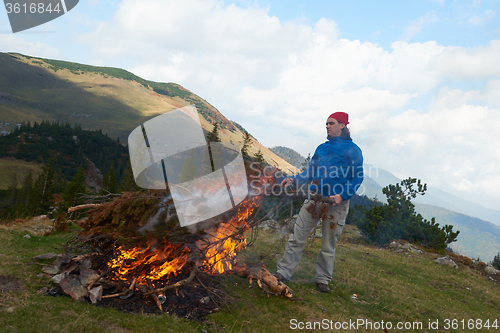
x,y
33,89
38,92
9,167
389,286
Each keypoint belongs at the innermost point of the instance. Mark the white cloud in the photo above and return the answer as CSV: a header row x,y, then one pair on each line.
x,y
281,80
16,43
480,20
417,25
451,146
469,63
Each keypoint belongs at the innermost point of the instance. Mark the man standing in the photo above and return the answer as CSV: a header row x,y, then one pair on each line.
x,y
336,171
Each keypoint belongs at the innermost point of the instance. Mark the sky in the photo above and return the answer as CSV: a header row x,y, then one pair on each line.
x,y
420,79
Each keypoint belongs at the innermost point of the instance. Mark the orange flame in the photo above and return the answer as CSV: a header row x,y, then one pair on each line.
x,y
149,263
223,244
219,248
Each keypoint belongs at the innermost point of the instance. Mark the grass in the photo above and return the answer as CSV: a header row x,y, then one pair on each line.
x,y
11,167
369,284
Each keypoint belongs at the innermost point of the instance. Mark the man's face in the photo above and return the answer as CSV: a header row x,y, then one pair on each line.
x,y
333,127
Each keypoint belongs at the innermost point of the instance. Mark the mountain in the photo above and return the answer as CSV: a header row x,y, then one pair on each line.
x,y
433,196
289,155
67,147
446,200
477,238
116,101
111,99
479,235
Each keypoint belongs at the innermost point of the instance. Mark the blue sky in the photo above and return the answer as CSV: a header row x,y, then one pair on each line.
x,y
419,78
384,22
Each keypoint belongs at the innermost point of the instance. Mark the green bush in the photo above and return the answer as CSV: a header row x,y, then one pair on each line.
x,y
398,219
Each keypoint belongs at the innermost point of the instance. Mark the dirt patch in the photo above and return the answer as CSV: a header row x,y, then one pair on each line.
x,y
38,225
8,284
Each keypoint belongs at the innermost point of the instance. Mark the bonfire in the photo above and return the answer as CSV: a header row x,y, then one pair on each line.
x,y
134,248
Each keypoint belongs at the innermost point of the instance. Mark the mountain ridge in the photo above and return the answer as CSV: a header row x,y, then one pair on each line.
x,y
116,101
433,196
111,99
478,237
289,155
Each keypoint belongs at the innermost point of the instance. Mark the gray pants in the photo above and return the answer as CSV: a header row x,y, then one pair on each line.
x,y
332,228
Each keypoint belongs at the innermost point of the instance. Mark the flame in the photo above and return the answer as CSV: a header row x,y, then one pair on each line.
x,y
223,244
219,248
150,263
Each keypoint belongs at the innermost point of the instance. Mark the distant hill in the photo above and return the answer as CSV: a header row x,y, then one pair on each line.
x,y
66,146
479,236
110,99
289,155
433,196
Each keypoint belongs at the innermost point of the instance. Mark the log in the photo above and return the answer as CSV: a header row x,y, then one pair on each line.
x,y
75,208
261,274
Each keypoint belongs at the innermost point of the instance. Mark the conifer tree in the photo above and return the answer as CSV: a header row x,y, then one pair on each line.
x,y
247,142
12,190
213,136
27,190
109,184
496,261
73,190
398,219
43,189
128,181
259,156
305,165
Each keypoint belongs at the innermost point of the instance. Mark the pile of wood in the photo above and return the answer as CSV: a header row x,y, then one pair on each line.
x,y
135,220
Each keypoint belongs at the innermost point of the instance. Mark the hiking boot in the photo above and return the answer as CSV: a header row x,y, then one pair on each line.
x,y
280,277
322,287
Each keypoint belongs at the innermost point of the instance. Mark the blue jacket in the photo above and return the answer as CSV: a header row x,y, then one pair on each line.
x,y
336,167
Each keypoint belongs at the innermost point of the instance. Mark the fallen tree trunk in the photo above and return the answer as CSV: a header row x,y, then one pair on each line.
x,y
85,206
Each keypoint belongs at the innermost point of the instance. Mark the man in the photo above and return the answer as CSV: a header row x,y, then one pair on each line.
x,y
336,171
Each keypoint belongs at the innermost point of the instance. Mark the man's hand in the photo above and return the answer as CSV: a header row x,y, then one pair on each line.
x,y
337,198
286,182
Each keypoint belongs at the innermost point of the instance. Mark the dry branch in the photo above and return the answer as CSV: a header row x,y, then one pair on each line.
x,y
263,275
177,284
126,292
154,295
100,276
85,206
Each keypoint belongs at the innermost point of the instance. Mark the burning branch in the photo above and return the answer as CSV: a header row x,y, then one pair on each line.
x,y
177,284
137,246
